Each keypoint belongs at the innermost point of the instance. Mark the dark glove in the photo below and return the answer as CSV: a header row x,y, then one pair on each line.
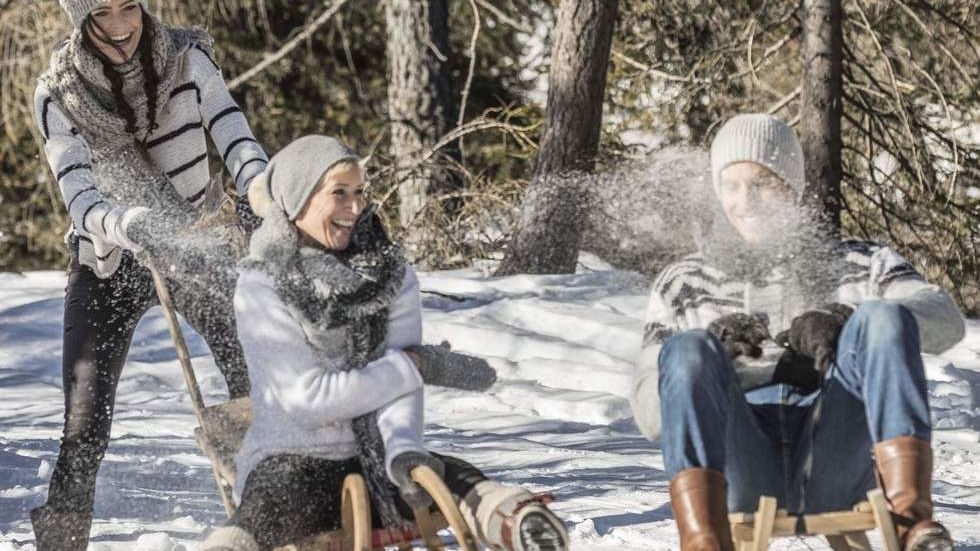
x,y
247,219
441,367
401,474
814,333
741,334
798,370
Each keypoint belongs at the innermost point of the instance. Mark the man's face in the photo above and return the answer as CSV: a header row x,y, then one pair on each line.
x,y
755,200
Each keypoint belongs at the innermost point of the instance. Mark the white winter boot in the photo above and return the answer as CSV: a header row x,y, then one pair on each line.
x,y
230,538
509,518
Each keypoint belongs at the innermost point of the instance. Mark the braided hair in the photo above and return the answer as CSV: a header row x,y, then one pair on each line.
x,y
151,77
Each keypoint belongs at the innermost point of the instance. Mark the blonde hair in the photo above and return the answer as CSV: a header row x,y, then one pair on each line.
x,y
342,165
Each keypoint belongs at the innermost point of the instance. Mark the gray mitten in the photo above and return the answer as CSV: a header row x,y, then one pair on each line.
x,y
441,367
401,474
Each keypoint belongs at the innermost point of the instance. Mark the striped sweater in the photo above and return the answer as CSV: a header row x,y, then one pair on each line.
x,y
690,294
90,179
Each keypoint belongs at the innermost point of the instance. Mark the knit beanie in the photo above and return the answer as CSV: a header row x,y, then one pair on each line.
x,y
78,10
294,173
762,139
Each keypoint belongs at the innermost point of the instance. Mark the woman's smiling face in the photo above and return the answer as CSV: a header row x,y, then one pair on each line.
x,y
331,211
116,28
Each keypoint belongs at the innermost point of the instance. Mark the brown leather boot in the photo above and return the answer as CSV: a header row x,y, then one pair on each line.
x,y
698,499
905,474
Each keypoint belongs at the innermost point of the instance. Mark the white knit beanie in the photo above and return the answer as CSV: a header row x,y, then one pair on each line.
x,y
78,10
762,139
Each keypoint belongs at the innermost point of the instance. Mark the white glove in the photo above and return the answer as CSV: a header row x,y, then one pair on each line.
x,y
122,225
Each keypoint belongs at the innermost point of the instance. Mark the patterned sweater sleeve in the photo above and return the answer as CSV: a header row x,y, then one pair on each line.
x,y
882,273
226,124
70,160
660,323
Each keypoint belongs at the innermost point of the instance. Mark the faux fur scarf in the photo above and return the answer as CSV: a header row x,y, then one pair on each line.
x,y
341,300
76,79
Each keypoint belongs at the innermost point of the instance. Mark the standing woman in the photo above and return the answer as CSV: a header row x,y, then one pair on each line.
x,y
125,109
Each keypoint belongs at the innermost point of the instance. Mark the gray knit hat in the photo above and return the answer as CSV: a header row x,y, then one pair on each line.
x,y
294,173
78,10
762,139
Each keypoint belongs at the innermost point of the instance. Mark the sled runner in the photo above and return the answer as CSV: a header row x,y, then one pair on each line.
x,y
222,427
357,534
844,530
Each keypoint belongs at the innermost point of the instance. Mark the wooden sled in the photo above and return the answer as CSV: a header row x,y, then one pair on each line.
x,y
844,530
358,535
222,427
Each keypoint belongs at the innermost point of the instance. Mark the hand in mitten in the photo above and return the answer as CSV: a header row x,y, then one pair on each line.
x,y
441,367
741,334
815,333
798,370
401,474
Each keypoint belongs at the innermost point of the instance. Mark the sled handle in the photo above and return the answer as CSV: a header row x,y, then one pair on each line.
x,y
433,484
355,517
167,305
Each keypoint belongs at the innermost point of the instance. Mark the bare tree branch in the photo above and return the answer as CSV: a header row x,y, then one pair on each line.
x,y
288,47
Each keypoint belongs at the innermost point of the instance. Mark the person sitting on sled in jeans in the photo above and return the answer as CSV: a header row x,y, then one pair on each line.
x,y
329,314
781,362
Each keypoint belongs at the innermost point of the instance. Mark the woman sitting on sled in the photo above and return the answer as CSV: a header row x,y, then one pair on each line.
x,y
329,316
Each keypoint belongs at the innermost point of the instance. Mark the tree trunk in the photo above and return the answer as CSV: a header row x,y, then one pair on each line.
x,y
420,100
820,126
552,221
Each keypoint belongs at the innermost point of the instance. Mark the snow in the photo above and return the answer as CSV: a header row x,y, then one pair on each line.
x,y
558,419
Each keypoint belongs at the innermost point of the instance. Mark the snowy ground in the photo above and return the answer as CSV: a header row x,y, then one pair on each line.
x,y
558,420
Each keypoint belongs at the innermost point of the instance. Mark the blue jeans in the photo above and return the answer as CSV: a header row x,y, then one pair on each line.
x,y
812,452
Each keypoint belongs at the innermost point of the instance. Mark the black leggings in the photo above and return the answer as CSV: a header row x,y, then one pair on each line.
x,y
100,317
290,497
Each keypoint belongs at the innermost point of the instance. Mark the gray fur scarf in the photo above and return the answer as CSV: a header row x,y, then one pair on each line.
x,y
76,79
341,300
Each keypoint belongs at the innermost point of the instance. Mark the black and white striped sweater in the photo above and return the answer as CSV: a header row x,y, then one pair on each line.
x,y
690,294
199,106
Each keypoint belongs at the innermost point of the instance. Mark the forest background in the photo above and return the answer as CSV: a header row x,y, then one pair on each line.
x,y
527,130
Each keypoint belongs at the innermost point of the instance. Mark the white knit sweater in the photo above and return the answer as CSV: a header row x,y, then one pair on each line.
x,y
199,106
302,406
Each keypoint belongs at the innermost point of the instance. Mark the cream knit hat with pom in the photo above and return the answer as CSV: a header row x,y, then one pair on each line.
x,y
762,139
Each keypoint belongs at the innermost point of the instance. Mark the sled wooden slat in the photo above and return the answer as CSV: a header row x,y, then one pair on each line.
x,y
883,516
844,530
764,521
427,526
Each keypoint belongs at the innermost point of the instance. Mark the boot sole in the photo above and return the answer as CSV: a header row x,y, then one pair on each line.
x,y
934,540
539,533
